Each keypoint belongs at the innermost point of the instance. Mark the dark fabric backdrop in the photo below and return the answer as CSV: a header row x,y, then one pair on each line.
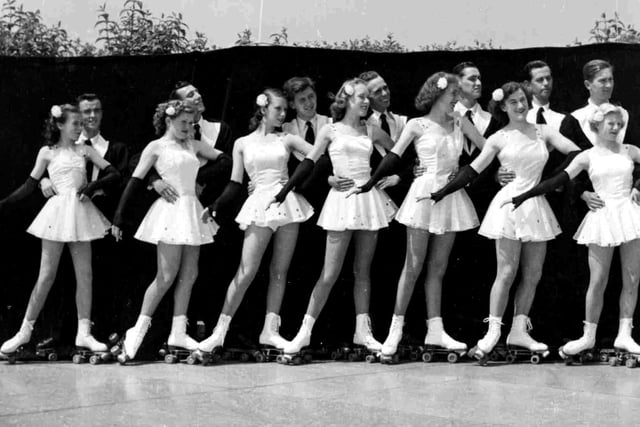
x,y
229,81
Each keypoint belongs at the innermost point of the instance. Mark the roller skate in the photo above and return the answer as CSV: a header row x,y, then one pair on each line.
x,y
439,343
88,348
366,347
580,350
297,351
389,353
131,342
482,350
520,345
14,349
179,346
272,344
210,350
627,351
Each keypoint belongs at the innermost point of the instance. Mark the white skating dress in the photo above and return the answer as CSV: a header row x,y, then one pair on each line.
x,y
265,160
64,218
534,220
438,152
364,211
619,220
177,223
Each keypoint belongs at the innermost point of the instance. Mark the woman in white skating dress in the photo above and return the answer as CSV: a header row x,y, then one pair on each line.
x,y
346,215
68,218
431,227
175,227
521,234
610,166
264,154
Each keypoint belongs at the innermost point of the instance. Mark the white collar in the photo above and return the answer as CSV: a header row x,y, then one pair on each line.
x,y
98,139
475,110
536,105
376,114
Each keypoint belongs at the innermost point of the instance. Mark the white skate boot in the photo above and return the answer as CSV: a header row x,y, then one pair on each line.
x,y
178,336
216,339
624,341
84,339
292,351
438,341
520,343
576,347
390,345
363,335
270,335
133,339
485,345
22,337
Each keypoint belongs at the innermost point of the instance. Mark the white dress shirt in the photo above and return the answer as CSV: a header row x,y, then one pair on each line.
x,y
101,145
396,123
553,118
209,132
480,118
298,127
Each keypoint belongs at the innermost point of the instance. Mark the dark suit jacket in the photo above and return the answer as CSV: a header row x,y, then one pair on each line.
x,y
118,155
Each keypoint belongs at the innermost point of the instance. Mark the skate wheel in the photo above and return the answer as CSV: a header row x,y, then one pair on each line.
x,y
335,355
113,338
11,360
535,359
244,357
414,356
52,357
170,359
297,360
587,357
307,358
77,359
259,357
94,359
123,358
494,356
613,361
353,357
510,358
452,357
370,358
604,358
191,359
631,363
280,359
427,357
162,353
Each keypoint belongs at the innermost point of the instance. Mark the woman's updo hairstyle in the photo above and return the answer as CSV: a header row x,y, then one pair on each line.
x,y
598,115
170,109
263,100
339,105
432,89
499,96
593,67
58,115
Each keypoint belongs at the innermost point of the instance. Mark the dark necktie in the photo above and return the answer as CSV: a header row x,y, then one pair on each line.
x,y
89,162
310,135
540,117
196,134
470,145
384,125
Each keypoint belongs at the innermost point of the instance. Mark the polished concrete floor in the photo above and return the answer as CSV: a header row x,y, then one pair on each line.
x,y
320,393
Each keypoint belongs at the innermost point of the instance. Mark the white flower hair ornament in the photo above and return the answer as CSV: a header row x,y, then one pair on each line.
x,y
349,90
497,95
442,83
597,117
170,111
56,111
262,100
